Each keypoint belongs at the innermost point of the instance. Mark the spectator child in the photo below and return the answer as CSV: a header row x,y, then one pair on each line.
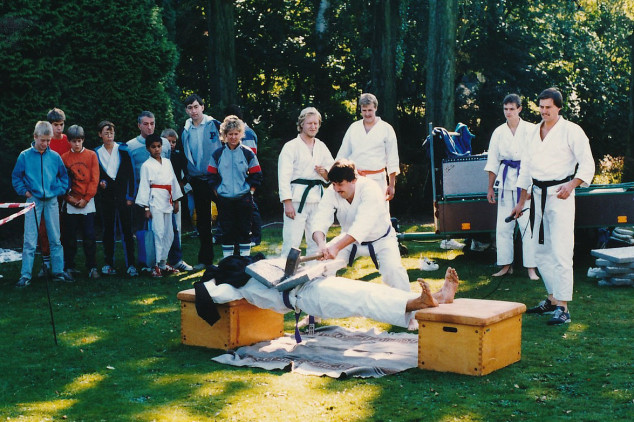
x,y
158,194
116,188
39,175
83,170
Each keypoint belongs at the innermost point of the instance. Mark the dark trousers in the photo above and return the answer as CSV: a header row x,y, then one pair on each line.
x,y
256,225
69,238
113,211
203,196
235,218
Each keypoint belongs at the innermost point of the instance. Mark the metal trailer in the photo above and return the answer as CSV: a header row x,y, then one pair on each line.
x,y
461,209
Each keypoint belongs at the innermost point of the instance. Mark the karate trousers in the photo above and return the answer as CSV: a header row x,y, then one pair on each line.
x,y
163,230
504,232
554,257
336,297
301,225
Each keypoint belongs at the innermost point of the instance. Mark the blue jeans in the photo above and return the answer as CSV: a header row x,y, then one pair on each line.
x,y
48,210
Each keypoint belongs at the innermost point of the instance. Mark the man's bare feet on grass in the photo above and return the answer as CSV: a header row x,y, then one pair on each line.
x,y
425,300
448,291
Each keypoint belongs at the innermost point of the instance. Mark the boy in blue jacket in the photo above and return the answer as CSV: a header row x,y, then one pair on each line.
x,y
40,176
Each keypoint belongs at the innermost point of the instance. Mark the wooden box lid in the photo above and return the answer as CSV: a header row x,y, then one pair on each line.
x,y
472,312
189,295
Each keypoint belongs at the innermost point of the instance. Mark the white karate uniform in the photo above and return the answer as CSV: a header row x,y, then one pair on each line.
x,y
506,146
555,158
374,150
159,200
329,297
296,161
364,221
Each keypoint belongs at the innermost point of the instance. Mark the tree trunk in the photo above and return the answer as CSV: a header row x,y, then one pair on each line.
x,y
385,39
222,54
628,171
441,68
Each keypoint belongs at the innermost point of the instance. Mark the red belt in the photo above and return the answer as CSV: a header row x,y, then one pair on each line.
x,y
166,187
366,172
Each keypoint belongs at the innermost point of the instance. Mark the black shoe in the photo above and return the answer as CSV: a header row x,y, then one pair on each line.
x,y
544,307
560,317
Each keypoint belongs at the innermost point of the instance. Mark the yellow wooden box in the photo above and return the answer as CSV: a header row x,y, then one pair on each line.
x,y
240,324
470,336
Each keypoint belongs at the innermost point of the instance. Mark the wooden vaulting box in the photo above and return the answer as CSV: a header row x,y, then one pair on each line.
x,y
470,336
240,324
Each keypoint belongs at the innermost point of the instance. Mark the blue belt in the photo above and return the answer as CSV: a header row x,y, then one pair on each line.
x,y
515,164
370,246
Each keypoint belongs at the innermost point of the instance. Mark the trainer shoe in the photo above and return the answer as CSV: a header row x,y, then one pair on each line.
x,y
183,266
200,266
108,270
544,307
93,273
426,264
22,282
43,271
132,272
560,317
451,244
63,276
156,272
168,269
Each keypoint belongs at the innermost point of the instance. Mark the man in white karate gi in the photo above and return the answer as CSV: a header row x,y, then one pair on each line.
x,y
302,173
371,144
555,149
366,229
508,142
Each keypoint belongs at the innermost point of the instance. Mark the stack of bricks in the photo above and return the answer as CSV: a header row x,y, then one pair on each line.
x,y
615,267
623,236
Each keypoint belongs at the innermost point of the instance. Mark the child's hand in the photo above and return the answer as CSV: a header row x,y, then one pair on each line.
x,y
81,203
148,214
28,194
176,207
102,184
129,203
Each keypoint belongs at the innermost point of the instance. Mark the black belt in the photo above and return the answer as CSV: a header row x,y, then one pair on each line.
x,y
543,185
370,246
310,183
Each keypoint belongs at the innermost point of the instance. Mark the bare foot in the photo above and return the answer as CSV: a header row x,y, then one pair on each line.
x,y
507,269
448,291
532,274
425,300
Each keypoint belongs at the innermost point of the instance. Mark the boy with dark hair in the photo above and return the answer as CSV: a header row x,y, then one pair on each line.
x,y
39,175
116,187
79,210
158,194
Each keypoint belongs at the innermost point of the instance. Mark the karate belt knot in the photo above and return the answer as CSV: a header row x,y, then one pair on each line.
x,y
514,164
310,183
166,187
370,246
543,185
311,319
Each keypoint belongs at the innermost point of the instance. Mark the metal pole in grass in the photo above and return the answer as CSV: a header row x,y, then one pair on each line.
x,y
46,272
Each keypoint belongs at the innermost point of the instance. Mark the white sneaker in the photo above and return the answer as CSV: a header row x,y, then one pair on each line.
x,y
592,272
451,244
479,246
427,265
182,266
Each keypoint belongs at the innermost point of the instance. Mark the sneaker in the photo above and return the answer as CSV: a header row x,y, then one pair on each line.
x,y
43,271
132,272
560,316
544,307
63,276
426,264
156,272
22,282
451,244
200,266
183,266
168,269
479,246
93,273
108,270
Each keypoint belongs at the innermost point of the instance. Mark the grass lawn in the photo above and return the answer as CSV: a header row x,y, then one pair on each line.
x,y
119,356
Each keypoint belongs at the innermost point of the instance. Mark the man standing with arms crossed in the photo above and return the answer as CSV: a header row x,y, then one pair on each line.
x,y
554,150
371,144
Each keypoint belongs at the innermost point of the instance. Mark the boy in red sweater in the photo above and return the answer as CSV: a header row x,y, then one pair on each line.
x,y
79,204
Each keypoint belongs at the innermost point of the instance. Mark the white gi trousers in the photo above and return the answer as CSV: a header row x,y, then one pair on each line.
x,y
381,180
504,231
388,257
295,229
336,297
554,257
163,233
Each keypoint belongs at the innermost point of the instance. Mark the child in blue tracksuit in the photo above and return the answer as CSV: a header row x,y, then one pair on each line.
x,y
40,175
235,173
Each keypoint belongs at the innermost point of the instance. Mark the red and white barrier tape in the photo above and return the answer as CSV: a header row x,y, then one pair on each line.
x,y
27,207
